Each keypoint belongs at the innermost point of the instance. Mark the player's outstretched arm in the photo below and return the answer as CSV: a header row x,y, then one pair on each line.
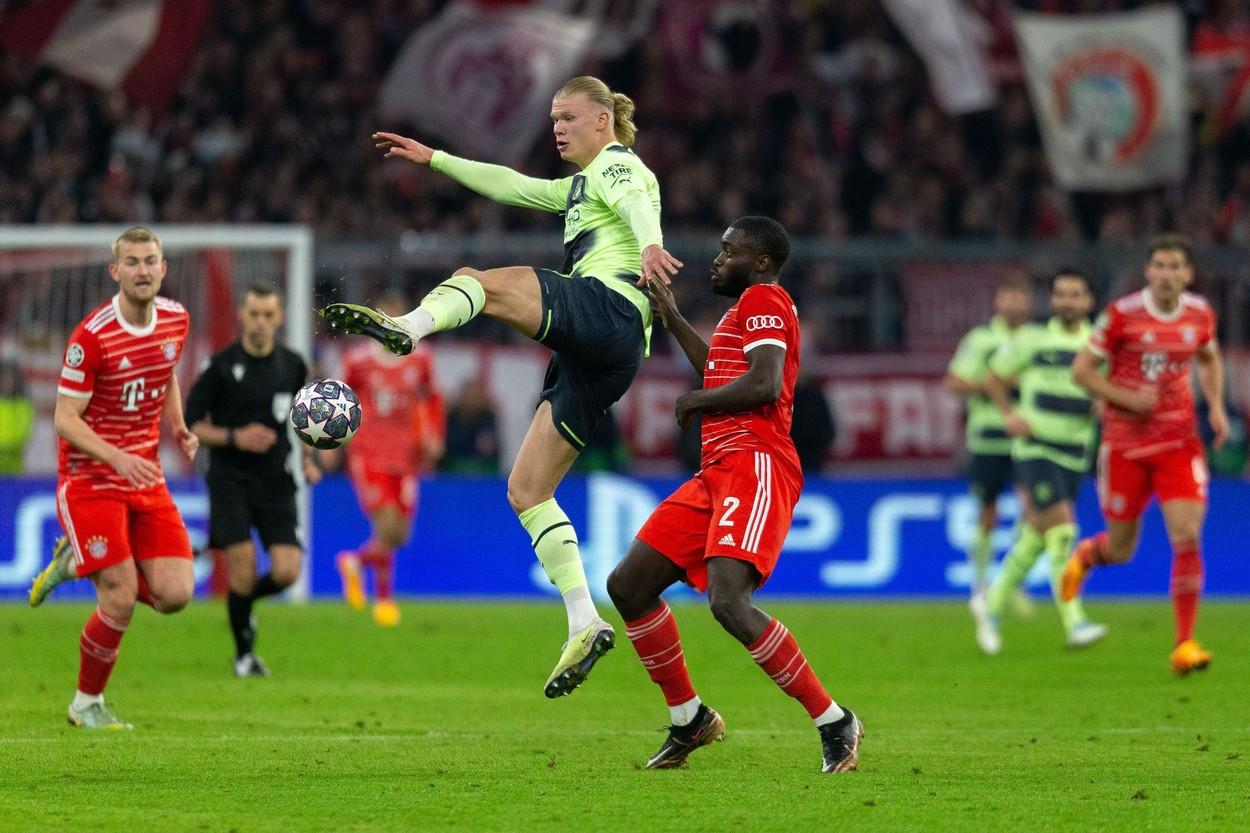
x,y
1211,380
760,385
1086,373
665,306
495,182
70,426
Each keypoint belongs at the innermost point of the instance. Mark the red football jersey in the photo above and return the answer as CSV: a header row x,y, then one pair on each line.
x,y
765,314
1144,347
125,371
401,405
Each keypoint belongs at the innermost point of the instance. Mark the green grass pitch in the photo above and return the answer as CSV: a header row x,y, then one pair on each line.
x,y
441,725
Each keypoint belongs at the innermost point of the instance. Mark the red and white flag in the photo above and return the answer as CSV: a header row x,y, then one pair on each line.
x,y
952,40
482,76
140,46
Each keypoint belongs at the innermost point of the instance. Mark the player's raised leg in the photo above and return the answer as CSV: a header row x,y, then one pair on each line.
x,y
731,584
544,458
635,587
510,294
1183,519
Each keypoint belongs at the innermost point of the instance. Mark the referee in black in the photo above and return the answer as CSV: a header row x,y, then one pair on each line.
x,y
238,407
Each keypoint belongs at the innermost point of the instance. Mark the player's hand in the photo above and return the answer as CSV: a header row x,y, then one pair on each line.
x,y
1017,426
135,470
1141,401
188,443
663,303
1218,420
401,147
687,407
312,471
658,265
255,438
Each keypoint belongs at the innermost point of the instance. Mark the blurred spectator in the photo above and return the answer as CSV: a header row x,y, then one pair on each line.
x,y
472,432
814,428
17,418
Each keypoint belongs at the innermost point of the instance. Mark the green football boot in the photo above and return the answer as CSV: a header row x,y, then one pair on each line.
x,y
59,569
355,319
580,654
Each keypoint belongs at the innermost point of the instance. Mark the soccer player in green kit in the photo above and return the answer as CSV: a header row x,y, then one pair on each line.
x,y
1052,426
989,447
591,313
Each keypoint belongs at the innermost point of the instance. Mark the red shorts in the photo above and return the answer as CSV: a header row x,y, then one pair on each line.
x,y
376,487
1128,476
738,507
110,526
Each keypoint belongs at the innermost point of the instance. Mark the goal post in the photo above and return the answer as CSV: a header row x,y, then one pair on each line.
x,y
52,275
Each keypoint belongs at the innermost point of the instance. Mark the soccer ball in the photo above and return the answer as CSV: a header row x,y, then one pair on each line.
x,y
326,413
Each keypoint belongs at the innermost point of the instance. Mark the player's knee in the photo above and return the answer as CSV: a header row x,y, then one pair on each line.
x,y
729,610
620,592
522,495
173,599
284,575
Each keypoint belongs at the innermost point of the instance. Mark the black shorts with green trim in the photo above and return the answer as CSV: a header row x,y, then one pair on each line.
x,y
598,342
1046,482
989,475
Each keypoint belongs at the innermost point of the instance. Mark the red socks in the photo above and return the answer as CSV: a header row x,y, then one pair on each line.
x,y
658,644
1096,555
382,562
97,651
779,655
1186,587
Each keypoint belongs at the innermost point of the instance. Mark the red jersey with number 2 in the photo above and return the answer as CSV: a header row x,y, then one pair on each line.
x,y
1146,347
125,371
764,314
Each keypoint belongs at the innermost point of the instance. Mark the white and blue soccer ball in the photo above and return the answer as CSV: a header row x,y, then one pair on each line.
x,y
326,413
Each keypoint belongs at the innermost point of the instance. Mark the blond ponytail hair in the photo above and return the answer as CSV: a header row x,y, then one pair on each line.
x,y
618,104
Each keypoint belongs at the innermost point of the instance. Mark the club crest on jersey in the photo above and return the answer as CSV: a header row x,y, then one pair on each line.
x,y
74,356
170,350
98,546
236,370
1188,334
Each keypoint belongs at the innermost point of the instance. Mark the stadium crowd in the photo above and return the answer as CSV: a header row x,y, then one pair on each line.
x,y
842,138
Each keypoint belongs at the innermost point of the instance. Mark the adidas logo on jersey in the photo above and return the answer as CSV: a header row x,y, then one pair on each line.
x,y
124,364
727,541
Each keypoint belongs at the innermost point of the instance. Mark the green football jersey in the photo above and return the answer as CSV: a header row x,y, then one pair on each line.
x,y
1058,410
985,432
611,213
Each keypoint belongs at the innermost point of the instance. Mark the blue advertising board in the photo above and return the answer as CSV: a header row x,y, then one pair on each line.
x,y
850,537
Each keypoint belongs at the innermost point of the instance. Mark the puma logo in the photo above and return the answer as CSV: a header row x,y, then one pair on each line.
x,y
570,541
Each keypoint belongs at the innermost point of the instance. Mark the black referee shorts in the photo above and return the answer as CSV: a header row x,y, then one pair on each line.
x,y
241,500
598,342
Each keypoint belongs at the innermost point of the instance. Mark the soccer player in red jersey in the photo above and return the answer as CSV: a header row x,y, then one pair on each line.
x,y
404,434
722,530
1150,442
121,526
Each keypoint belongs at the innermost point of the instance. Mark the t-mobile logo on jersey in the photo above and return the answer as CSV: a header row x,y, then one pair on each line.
x,y
132,394
1153,364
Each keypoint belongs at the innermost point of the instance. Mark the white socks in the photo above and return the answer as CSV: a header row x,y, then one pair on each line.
x,y
830,715
580,608
683,713
418,321
81,701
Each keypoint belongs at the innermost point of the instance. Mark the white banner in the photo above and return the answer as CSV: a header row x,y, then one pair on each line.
x,y
951,40
1108,91
483,78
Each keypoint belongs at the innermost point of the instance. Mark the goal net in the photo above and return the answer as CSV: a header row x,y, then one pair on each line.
x,y
52,276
